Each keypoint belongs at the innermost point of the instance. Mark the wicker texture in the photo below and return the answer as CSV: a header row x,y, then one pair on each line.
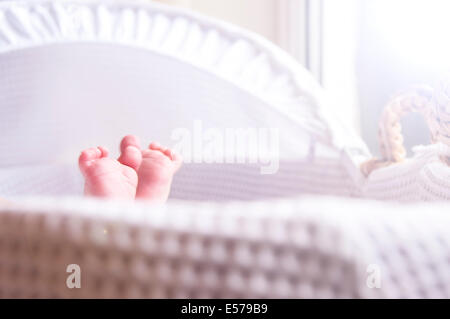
x,y
291,249
433,105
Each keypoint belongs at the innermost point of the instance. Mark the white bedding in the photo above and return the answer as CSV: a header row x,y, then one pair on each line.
x,y
298,248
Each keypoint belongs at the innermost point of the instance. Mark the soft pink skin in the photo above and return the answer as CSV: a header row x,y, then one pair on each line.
x,y
136,174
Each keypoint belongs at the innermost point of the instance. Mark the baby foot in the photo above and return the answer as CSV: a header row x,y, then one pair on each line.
x,y
156,172
107,177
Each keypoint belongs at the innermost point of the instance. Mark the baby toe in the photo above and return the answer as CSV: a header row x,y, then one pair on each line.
x,y
87,157
90,154
129,140
131,156
168,153
104,151
155,146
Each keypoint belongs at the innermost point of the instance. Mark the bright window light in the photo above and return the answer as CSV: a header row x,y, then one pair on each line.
x,y
418,30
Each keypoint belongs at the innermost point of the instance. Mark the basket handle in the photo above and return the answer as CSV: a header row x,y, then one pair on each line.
x,y
390,135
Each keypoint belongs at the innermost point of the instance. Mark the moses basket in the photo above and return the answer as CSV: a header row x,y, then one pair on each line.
x,y
327,223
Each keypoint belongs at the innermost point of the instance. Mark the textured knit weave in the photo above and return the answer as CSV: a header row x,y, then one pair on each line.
x,y
310,248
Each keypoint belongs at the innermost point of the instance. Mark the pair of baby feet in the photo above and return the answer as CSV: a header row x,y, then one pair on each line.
x,y
137,174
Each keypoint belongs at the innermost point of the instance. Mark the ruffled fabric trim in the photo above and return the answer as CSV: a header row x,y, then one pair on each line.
x,y
244,58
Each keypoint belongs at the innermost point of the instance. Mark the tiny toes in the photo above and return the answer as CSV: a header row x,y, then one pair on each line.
x,y
90,154
87,157
131,156
104,151
130,148
130,140
168,153
155,146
